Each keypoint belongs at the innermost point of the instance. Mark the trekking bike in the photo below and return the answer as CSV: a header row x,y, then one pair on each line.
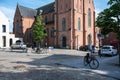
x,y
41,50
91,61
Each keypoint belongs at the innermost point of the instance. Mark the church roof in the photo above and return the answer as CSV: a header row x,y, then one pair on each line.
x,y
27,12
47,8
31,13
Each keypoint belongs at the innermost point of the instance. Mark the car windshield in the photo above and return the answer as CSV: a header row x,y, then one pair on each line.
x,y
106,48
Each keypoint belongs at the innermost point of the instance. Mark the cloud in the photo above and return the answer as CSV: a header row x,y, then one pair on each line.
x,y
97,11
9,13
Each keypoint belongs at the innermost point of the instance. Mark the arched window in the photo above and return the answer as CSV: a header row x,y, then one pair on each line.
x,y
79,23
52,32
89,39
52,17
89,1
63,24
45,19
89,17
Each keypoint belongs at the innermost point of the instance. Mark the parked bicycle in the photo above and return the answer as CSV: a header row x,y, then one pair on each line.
x,y
41,50
91,61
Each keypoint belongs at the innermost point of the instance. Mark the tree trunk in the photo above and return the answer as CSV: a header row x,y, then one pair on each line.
x,y
38,47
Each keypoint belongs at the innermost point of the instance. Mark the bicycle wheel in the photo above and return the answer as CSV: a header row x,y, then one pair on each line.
x,y
85,61
94,64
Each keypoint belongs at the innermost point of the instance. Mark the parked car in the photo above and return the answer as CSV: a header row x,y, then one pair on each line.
x,y
108,50
19,45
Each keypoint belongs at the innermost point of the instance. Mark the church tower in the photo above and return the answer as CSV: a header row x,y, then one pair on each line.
x,y
64,22
74,23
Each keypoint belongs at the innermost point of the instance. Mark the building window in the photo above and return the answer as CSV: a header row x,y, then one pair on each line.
x,y
52,17
18,29
45,19
79,23
4,41
89,39
89,17
11,42
89,1
3,28
52,32
63,24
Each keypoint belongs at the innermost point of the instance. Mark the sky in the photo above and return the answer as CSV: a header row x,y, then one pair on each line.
x,y
8,7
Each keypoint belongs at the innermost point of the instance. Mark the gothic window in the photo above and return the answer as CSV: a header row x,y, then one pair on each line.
x,y
89,39
89,1
89,17
52,32
17,29
52,17
79,23
63,24
45,19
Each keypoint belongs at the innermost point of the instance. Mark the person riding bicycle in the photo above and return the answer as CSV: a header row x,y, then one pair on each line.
x,y
87,57
92,49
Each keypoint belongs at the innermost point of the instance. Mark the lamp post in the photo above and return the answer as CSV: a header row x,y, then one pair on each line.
x,y
77,42
99,37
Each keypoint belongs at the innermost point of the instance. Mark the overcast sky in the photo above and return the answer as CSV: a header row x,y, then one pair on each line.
x,y
8,7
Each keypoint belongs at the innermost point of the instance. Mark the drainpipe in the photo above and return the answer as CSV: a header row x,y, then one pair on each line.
x,y
72,25
94,33
57,23
84,32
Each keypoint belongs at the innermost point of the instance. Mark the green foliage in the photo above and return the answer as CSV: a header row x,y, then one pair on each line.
x,y
39,30
108,20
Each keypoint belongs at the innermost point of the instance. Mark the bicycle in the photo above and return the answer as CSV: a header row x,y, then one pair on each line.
x,y
91,60
41,50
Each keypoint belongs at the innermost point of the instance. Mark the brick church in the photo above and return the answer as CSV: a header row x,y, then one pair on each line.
x,y
68,23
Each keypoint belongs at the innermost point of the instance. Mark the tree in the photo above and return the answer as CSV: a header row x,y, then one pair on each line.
x,y
39,30
109,20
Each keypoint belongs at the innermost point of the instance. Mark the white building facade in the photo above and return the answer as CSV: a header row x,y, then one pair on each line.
x,y
6,39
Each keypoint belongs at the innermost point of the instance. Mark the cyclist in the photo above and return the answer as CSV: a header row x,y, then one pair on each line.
x,y
87,57
90,59
92,48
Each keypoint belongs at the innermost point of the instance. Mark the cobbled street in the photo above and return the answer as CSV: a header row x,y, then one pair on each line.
x,y
55,65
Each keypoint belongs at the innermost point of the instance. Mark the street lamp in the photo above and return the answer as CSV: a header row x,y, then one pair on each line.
x,y
99,37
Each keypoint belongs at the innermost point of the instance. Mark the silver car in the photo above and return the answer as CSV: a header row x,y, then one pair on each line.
x,y
109,50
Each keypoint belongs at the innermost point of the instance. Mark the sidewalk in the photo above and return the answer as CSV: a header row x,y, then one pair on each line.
x,y
69,61
108,66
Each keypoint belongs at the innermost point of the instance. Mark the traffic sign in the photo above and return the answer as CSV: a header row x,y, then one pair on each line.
x,y
99,36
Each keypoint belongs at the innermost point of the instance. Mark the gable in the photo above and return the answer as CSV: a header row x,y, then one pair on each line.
x,y
27,12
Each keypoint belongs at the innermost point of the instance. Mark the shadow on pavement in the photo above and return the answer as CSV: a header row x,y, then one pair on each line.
x,y
47,68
